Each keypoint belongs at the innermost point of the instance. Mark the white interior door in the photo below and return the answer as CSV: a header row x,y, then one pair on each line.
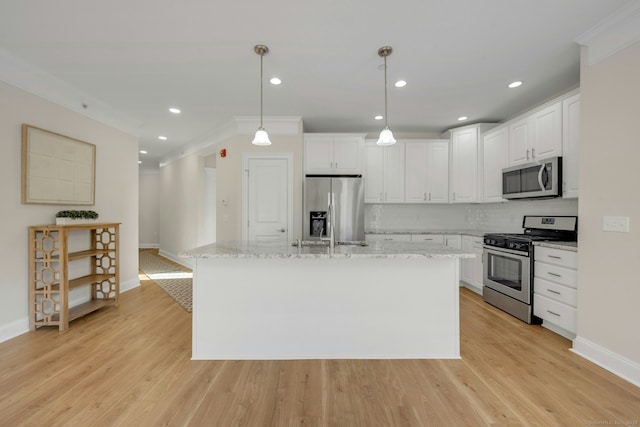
x,y
268,199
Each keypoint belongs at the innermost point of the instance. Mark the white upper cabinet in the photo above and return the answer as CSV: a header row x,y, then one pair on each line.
x,y
536,136
464,165
496,158
519,142
333,154
384,173
570,145
546,127
427,171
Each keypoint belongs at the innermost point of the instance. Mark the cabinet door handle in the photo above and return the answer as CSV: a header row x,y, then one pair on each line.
x,y
429,196
527,154
385,196
551,312
454,195
553,292
553,274
336,165
554,256
533,153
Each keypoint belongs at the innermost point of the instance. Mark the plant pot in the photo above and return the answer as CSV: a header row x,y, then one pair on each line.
x,y
75,221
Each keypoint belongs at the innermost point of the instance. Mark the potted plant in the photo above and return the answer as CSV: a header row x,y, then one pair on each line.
x,y
75,217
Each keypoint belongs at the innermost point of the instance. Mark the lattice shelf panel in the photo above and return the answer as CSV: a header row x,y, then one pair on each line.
x,y
49,281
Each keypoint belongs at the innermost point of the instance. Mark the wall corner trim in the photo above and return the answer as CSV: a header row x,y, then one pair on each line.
x,y
619,365
614,33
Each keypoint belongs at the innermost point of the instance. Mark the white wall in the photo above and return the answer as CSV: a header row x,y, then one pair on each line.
x,y
609,284
116,197
149,202
181,201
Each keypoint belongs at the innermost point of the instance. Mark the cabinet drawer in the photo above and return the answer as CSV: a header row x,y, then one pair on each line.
x,y
556,292
434,239
555,312
556,274
387,237
568,259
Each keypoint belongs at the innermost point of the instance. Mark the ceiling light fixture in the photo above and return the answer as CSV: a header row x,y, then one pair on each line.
x,y
386,136
275,81
174,110
462,118
400,83
514,84
163,138
262,137
378,117
143,152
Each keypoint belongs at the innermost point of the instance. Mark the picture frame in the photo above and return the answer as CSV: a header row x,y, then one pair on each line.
x,y
57,169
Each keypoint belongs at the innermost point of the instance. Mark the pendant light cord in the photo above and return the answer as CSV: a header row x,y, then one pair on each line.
x,y
261,102
386,125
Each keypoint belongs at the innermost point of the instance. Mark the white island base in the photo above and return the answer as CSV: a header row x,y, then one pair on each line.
x,y
325,308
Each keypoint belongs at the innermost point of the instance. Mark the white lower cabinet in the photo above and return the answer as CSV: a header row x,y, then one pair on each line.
x,y
471,269
453,241
429,239
387,237
555,286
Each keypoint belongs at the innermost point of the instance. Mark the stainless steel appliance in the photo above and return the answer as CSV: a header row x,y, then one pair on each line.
x,y
508,262
533,180
334,203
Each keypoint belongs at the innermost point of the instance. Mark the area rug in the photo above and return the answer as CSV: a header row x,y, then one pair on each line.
x,y
173,279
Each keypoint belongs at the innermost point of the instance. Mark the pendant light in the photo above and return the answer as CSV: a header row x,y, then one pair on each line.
x,y
261,138
386,136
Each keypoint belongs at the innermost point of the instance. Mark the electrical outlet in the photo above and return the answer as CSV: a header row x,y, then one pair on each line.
x,y
618,224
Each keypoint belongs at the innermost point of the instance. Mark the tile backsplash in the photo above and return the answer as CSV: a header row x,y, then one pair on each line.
x,y
499,217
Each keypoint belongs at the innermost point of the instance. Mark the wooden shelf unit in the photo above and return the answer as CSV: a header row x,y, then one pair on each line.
x,y
49,276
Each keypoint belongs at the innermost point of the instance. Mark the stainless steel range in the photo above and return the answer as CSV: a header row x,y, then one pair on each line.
x,y
508,262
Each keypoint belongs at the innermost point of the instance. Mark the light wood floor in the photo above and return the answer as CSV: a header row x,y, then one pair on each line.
x,y
130,365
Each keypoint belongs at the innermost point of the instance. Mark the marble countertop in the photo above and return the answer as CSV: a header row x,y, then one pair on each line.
x,y
475,233
567,246
404,250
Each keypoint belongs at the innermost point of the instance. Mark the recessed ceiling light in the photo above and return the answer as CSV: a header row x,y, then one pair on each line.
x,y
401,83
461,118
164,138
515,84
143,152
139,162
275,81
174,110
378,117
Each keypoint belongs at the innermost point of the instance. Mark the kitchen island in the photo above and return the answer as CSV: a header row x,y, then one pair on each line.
x,y
387,300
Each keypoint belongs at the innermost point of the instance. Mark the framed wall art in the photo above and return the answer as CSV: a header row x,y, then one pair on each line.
x,y
57,169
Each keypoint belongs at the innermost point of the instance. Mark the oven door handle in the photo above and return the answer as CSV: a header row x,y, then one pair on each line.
x,y
502,251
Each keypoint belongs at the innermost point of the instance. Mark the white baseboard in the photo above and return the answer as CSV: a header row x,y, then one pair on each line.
x,y
21,326
148,245
127,285
612,362
13,329
175,258
558,330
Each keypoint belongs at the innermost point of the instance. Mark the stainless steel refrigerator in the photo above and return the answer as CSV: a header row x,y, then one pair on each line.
x,y
346,194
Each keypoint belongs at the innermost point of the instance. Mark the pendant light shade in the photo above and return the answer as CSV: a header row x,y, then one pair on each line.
x,y
386,136
261,138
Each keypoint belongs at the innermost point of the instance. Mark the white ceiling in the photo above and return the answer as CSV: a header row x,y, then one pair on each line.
x,y
129,61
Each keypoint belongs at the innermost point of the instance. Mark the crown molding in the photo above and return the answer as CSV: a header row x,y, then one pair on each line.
x,y
240,125
275,125
616,32
25,76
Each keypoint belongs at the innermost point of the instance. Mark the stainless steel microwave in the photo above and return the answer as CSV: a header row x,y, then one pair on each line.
x,y
532,180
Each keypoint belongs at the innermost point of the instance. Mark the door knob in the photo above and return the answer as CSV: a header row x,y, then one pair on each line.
x,y
282,230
